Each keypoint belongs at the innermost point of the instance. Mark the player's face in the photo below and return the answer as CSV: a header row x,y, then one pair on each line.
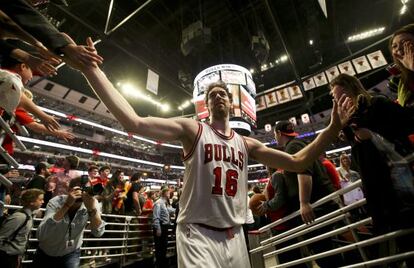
x,y
397,45
218,102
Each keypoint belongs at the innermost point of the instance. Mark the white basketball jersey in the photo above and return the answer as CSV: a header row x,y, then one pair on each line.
x,y
215,180
11,88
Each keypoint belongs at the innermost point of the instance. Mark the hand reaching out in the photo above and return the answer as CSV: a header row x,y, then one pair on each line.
x,y
408,58
46,54
41,66
50,123
65,134
81,57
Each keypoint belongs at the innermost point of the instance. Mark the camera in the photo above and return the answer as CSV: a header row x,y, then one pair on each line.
x,y
91,188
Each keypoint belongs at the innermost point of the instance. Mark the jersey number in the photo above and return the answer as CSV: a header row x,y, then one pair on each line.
x,y
231,182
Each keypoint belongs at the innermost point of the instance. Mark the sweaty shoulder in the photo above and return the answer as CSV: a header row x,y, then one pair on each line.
x,y
191,129
252,144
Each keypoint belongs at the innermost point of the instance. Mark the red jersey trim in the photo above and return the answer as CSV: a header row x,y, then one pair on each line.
x,y
200,130
221,135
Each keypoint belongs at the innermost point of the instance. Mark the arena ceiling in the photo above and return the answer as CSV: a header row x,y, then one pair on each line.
x,y
152,37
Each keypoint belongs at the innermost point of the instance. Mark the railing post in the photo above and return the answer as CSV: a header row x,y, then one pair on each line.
x,y
256,259
353,232
125,241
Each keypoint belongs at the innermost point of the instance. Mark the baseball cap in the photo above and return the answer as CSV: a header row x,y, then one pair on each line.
x,y
286,128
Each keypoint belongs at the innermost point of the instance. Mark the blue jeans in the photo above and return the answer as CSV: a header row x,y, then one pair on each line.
x,y
70,260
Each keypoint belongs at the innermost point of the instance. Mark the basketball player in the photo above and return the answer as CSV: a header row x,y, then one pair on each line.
x,y
213,203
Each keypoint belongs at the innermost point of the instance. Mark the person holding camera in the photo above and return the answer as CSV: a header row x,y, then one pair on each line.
x,y
61,231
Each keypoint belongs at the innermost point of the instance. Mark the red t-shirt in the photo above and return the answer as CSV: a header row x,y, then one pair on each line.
x,y
24,119
149,204
332,173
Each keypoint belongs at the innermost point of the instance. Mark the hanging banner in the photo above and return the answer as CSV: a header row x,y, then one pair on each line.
x,y
309,83
377,59
361,64
346,68
294,92
152,82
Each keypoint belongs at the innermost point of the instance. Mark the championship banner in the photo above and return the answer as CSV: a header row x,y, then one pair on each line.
x,y
331,73
361,64
283,95
309,84
260,103
294,92
271,99
320,79
377,59
346,68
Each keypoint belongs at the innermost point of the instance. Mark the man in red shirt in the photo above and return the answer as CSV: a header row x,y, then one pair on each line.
x,y
331,171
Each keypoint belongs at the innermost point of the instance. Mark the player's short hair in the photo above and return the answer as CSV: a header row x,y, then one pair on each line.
x,y
219,84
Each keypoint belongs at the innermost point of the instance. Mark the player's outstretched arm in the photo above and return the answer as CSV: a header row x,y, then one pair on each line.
x,y
151,127
183,129
299,161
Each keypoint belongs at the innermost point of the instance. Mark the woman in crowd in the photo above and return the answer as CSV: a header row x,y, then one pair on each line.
x,y
402,50
348,176
394,123
345,171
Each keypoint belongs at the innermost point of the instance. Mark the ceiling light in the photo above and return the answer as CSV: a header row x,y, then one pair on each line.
x,y
186,104
366,34
165,107
403,9
128,88
283,58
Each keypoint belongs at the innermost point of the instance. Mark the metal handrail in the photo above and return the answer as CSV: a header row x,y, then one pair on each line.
x,y
126,239
384,260
346,248
323,218
319,237
321,201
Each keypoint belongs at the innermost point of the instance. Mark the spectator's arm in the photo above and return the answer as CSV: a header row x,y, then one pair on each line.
x,y
34,22
9,29
52,221
156,214
97,225
49,121
40,128
137,205
305,190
